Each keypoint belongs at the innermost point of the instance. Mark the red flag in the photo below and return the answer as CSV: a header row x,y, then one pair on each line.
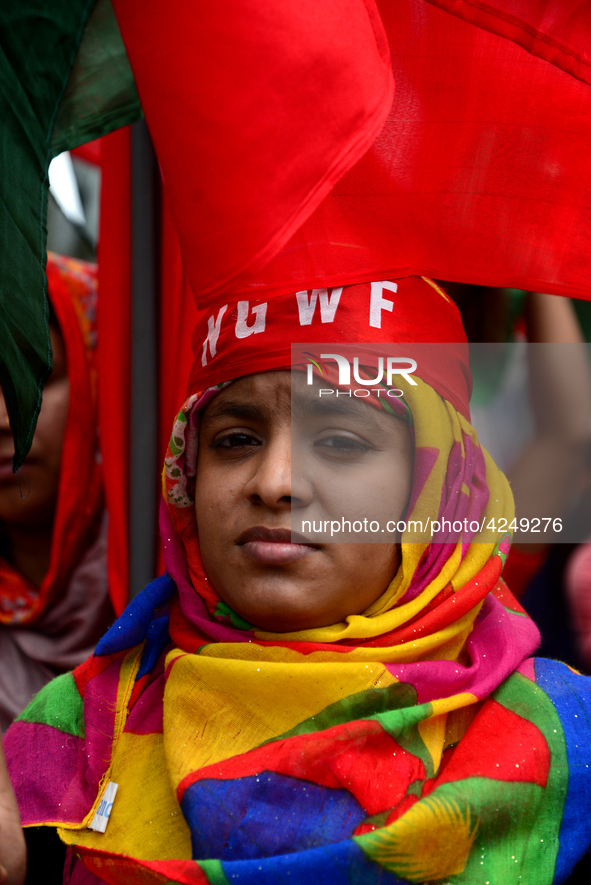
x,y
255,110
481,173
557,32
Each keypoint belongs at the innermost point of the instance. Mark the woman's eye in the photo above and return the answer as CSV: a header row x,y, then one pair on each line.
x,y
339,446
236,441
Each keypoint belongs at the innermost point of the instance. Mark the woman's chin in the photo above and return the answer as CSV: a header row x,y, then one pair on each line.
x,y
290,617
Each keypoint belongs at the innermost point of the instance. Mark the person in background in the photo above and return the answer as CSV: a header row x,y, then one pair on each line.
x,y
54,601
578,592
531,406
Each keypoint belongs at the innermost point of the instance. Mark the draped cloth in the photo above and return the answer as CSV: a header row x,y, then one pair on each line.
x,y
52,628
480,173
415,742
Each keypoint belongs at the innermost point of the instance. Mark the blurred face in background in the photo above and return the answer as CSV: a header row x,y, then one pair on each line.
x,y
33,505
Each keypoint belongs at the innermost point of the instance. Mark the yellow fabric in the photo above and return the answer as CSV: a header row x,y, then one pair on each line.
x,y
239,703
145,803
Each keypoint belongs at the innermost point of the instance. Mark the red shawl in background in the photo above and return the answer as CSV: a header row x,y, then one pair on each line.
x,y
51,629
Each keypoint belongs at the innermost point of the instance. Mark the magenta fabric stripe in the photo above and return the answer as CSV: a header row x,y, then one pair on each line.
x,y
192,605
50,775
146,714
492,649
100,702
425,460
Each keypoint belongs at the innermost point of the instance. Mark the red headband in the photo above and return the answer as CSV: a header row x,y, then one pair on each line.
x,y
243,337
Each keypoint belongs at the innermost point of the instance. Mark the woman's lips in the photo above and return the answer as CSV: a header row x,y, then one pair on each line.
x,y
274,546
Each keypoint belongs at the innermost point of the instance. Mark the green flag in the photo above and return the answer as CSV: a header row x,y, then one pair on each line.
x,y
64,80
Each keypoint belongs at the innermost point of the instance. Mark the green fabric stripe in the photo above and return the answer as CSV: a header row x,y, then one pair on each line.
x,y
369,704
402,726
58,704
214,871
520,694
223,610
507,846
517,823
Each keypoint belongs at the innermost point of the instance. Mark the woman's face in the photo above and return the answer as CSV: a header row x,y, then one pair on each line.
x,y
40,472
267,465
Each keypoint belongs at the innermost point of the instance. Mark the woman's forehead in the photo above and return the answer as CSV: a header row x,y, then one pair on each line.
x,y
252,396
286,395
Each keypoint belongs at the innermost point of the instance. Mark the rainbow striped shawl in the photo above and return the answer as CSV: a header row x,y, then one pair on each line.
x,y
416,742
265,763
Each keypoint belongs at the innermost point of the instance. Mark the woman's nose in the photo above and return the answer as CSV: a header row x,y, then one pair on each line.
x,y
279,481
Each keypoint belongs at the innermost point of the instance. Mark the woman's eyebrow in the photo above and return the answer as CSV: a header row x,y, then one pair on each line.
x,y
303,406
234,409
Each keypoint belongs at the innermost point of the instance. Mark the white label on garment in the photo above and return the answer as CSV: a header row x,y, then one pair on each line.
x,y
103,812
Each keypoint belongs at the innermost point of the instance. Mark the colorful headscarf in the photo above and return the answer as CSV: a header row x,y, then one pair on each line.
x,y
415,742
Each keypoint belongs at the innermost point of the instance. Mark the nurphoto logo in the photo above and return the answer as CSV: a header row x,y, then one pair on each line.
x,y
403,366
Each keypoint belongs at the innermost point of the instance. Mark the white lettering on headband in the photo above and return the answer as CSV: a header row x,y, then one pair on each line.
x,y
306,304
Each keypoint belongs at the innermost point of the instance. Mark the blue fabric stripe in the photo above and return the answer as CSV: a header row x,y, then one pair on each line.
x,y
132,626
571,695
266,814
157,639
341,864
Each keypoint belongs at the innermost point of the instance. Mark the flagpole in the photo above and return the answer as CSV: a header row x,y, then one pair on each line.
x,y
143,437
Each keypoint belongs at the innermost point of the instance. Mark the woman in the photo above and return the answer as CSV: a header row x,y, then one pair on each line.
x,y
54,603
281,707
